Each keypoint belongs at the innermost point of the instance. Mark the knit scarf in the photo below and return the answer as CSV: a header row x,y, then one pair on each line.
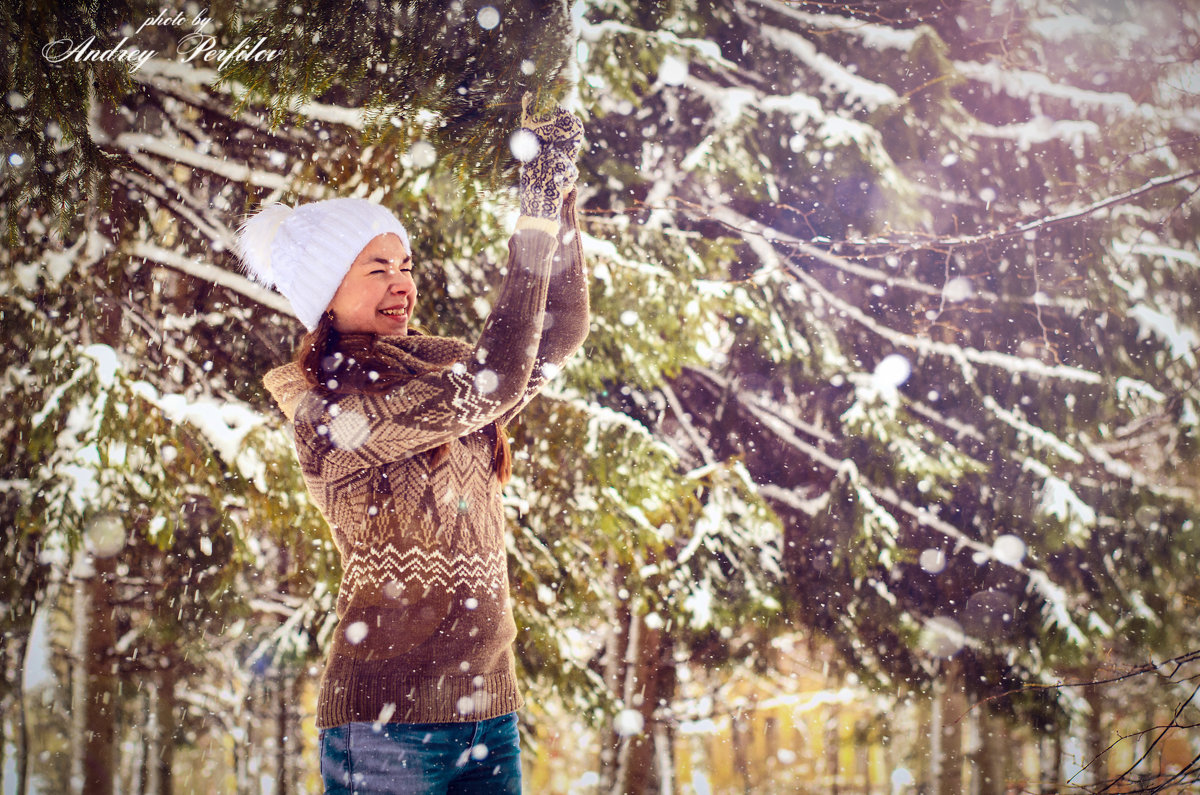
x,y
374,364
367,363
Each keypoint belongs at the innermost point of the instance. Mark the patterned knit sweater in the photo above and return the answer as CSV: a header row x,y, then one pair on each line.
x,y
425,625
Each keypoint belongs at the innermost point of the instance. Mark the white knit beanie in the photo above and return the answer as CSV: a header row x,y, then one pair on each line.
x,y
304,252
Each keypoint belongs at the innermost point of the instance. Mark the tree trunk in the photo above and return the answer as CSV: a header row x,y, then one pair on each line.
x,y
640,666
645,759
283,732
244,745
833,747
1095,757
19,723
4,733
1143,765
1051,762
94,691
923,746
654,683
740,736
990,757
864,738
285,721
137,763
615,653
948,709
24,593
664,756
166,724
94,696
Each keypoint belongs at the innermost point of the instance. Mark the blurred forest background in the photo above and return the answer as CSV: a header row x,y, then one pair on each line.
x,y
878,471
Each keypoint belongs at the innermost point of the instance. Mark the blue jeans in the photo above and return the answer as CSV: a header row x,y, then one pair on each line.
x,y
422,758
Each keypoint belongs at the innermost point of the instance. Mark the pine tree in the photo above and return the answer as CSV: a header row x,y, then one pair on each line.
x,y
939,385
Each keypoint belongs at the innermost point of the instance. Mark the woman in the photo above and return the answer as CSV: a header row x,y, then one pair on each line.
x,y
401,438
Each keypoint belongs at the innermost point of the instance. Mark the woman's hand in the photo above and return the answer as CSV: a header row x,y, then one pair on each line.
x,y
559,129
545,182
551,174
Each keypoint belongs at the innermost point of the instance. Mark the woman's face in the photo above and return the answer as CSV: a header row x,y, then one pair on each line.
x,y
377,295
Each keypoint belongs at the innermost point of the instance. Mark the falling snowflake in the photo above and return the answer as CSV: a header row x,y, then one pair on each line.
x,y
629,722
933,561
488,17
349,430
942,636
524,145
356,633
958,289
892,371
1008,549
486,382
105,535
423,154
673,71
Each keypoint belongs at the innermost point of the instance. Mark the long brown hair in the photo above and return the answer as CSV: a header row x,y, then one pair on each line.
x,y
325,350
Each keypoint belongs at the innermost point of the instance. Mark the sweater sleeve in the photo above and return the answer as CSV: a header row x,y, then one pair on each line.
x,y
565,326
354,431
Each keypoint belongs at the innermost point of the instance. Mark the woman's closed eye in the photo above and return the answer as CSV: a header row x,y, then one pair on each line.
x,y
384,266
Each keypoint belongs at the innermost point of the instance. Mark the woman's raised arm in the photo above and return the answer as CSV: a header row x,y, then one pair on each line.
x,y
353,430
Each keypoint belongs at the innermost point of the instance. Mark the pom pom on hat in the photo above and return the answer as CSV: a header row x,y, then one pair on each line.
x,y
255,239
306,251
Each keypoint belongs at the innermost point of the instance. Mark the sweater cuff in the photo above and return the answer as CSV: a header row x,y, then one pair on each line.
x,y
546,225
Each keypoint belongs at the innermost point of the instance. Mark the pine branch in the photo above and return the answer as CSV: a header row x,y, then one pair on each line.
x,y
963,356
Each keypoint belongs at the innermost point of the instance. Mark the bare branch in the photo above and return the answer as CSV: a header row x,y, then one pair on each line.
x,y
1146,754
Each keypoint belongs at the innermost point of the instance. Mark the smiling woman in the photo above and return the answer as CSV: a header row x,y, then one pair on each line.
x,y
401,437
378,294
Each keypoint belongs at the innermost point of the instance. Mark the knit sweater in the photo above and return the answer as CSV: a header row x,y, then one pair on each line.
x,y
425,625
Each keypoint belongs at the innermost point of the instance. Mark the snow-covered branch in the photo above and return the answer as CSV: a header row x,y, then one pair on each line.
x,y
685,422
355,118
142,142
211,273
921,345
747,226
